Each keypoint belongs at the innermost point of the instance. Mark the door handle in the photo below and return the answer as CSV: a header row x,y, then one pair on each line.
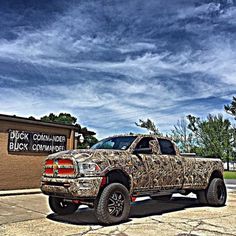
x,y
178,162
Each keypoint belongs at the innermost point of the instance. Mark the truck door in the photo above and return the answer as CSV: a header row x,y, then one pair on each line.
x,y
169,166
143,165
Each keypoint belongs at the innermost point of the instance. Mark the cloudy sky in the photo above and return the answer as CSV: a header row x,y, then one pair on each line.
x,y
111,62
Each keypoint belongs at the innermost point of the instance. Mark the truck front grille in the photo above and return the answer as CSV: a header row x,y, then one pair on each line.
x,y
59,168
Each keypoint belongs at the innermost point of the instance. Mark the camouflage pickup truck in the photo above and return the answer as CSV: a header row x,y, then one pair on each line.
x,y
116,170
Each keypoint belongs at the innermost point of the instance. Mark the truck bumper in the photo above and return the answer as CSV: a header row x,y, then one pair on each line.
x,y
86,187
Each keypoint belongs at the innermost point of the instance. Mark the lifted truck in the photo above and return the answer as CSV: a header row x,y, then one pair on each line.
x,y
110,174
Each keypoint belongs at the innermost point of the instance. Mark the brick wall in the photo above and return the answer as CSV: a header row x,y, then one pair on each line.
x,y
19,171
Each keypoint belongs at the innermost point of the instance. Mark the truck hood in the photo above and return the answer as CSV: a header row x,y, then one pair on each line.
x,y
82,155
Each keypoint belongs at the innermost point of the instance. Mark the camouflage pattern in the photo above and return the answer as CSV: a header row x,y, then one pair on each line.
x,y
80,187
148,173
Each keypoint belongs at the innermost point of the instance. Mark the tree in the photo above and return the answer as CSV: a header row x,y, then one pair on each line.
x,y
68,119
215,136
62,118
231,108
89,140
149,125
31,118
183,137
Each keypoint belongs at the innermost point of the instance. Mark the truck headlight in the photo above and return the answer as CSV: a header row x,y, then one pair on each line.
x,y
88,168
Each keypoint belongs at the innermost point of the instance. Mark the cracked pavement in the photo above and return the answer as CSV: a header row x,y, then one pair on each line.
x,y
30,215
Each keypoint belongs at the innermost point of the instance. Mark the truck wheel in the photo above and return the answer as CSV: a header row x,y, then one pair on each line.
x,y
61,207
216,192
113,206
201,196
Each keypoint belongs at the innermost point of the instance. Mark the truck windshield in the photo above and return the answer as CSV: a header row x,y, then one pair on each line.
x,y
117,143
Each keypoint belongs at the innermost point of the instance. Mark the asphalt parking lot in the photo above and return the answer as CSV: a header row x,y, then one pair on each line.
x,y
30,215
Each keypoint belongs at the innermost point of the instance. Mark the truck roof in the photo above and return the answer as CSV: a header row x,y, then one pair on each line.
x,y
141,135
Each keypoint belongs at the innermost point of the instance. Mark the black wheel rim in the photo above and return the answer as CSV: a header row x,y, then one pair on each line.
x,y
220,193
116,204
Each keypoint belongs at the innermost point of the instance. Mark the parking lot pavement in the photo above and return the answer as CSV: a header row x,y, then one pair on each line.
x,y
231,184
230,181
29,215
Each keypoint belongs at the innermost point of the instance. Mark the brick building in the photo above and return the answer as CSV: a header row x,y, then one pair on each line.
x,y
24,144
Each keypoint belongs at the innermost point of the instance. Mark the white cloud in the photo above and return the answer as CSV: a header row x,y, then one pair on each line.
x,y
136,47
147,83
4,79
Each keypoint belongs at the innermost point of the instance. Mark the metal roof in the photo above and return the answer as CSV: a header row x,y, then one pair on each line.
x,y
36,122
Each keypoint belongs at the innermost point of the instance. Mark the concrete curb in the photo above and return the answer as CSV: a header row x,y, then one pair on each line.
x,y
19,192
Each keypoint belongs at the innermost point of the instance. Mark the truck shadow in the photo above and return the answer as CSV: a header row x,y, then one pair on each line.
x,y
86,216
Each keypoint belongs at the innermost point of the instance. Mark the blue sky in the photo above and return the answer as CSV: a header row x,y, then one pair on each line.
x,y
112,62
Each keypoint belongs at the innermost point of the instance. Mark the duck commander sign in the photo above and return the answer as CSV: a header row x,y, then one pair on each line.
x,y
23,141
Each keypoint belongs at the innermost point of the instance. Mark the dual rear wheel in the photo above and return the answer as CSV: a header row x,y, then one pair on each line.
x,y
215,194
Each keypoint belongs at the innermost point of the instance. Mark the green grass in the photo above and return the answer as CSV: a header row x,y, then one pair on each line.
x,y
230,174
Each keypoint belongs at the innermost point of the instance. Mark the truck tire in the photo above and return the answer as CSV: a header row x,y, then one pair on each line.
x,y
216,193
113,206
202,198
61,207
